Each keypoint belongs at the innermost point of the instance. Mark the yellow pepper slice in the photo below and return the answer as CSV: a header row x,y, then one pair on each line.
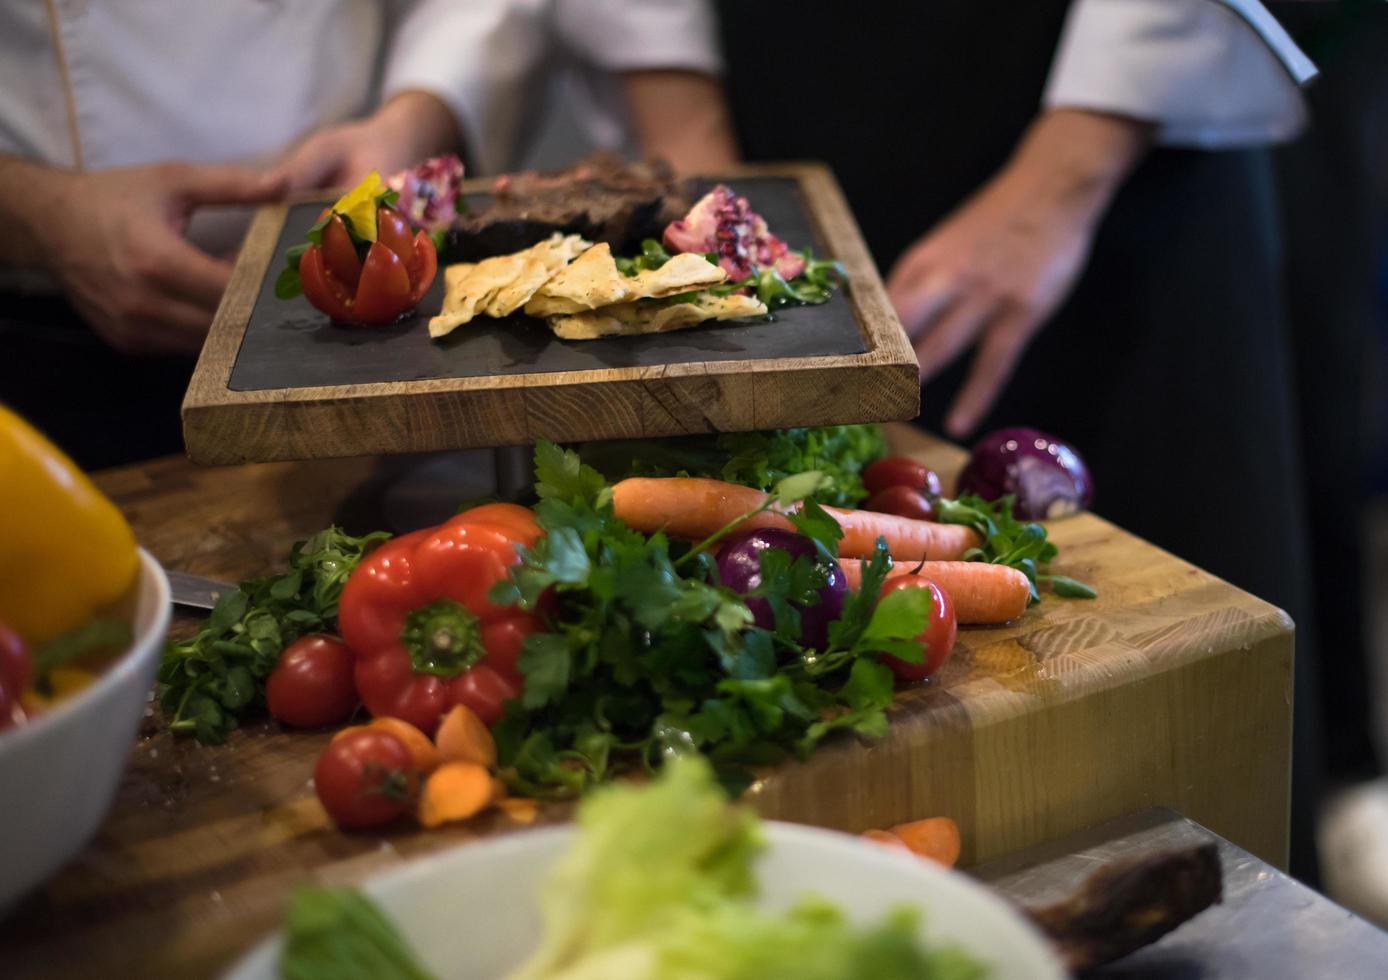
x,y
66,552
358,206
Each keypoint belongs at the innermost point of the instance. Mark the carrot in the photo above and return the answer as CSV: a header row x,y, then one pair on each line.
x,y
463,738
884,837
936,838
455,791
981,592
422,751
521,809
694,508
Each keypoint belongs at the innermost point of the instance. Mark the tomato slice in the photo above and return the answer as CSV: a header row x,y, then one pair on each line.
x,y
321,289
423,266
394,232
384,291
340,255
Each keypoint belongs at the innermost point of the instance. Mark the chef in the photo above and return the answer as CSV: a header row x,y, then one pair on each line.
x,y
1078,193
122,122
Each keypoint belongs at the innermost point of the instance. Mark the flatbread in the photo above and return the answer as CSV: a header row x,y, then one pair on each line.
x,y
593,281
634,319
502,284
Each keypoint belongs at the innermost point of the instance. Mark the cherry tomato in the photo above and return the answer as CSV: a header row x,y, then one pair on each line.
x,y
365,778
322,288
423,266
340,254
384,291
898,471
938,638
16,668
903,502
311,685
394,232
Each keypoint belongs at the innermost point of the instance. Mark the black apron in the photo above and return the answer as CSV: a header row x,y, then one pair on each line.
x,y
1168,366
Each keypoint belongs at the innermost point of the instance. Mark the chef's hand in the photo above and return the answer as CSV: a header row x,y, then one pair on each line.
x,y
992,273
113,240
411,127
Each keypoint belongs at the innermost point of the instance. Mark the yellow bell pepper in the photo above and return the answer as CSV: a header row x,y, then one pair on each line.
x,y
66,552
358,206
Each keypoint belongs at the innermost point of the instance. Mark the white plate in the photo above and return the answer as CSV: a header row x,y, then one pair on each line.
x,y
59,771
470,912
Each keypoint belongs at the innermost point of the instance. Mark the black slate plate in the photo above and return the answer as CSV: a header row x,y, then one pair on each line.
x,y
291,345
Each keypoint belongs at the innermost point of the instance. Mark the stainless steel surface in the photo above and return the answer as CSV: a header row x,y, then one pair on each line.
x,y
1269,927
194,591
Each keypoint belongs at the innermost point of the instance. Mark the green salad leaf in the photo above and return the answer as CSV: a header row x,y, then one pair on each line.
x,y
754,459
660,884
340,934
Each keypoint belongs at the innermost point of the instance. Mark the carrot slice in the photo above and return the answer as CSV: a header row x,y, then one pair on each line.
x,y
422,751
884,837
455,791
981,592
463,738
935,838
694,508
521,809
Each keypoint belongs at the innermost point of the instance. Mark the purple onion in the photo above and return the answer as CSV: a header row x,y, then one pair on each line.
x,y
739,568
1047,477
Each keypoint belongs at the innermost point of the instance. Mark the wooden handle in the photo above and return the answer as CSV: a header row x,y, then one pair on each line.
x,y
1127,905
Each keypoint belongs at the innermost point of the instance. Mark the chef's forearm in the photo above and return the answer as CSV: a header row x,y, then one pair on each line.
x,y
683,117
1078,159
30,194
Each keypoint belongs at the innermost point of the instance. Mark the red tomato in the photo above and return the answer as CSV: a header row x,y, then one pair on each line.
x,y
340,254
423,266
365,778
898,471
938,638
394,232
311,685
321,288
16,668
384,291
903,502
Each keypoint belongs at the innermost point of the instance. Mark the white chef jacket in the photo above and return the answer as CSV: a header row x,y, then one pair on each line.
x,y
106,83
1207,73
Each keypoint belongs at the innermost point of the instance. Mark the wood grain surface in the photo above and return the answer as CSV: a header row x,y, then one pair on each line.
x,y
223,426
1172,688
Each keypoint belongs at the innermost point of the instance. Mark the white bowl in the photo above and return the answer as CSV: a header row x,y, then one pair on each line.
x,y
471,912
59,771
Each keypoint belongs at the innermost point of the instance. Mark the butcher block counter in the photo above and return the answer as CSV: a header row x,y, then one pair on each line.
x,y
1172,688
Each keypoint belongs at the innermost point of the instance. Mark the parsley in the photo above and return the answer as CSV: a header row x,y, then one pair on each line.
x,y
209,682
648,656
1007,541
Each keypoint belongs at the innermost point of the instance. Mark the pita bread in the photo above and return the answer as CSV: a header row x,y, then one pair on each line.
x,y
634,319
500,285
593,281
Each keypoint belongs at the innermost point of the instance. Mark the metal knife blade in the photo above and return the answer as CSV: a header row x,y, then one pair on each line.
x,y
196,592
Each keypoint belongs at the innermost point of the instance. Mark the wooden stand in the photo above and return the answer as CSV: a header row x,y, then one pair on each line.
x,y
222,425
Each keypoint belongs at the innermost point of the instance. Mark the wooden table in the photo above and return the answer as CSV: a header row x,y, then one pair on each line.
x,y
1172,688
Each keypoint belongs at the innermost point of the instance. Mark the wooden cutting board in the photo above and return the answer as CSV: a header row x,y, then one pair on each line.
x,y
276,380
1172,688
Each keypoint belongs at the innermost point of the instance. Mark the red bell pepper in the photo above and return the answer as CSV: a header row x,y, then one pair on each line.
x,y
16,671
416,614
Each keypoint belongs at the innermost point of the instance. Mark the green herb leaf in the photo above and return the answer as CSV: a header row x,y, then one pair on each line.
x,y
1069,588
288,284
99,639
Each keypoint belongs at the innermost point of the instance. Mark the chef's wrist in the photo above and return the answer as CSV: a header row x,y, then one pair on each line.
x,y
33,198
1075,160
418,123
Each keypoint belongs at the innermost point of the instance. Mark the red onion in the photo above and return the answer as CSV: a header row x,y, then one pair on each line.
x,y
739,568
1047,477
